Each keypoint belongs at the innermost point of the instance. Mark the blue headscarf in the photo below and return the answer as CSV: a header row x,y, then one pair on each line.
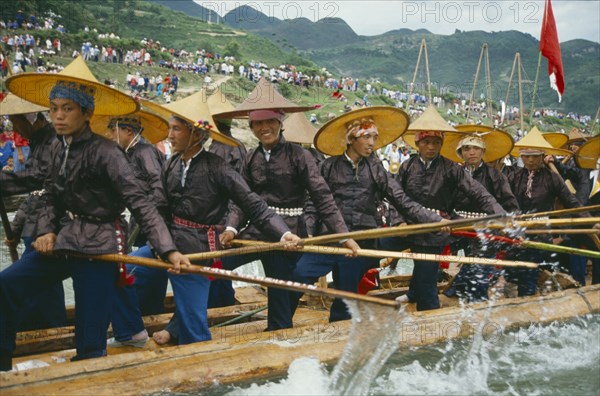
x,y
77,92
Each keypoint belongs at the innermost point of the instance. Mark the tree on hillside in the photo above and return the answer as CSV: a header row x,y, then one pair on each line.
x,y
232,49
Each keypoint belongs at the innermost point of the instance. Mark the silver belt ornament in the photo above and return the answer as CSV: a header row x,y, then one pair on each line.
x,y
292,212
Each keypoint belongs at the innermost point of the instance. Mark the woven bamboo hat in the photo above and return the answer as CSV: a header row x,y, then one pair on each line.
x,y
298,129
429,121
154,127
556,139
217,102
12,104
588,154
497,143
194,109
263,97
576,137
36,88
391,123
535,143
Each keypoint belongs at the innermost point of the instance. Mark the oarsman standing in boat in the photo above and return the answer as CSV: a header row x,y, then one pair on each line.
x,y
433,181
580,180
536,189
198,186
359,183
49,309
221,291
588,157
135,133
91,183
481,146
283,174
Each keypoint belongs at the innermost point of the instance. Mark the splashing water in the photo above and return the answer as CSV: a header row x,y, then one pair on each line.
x,y
373,339
537,360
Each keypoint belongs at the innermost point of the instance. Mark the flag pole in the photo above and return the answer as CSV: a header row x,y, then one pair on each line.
x,y
535,85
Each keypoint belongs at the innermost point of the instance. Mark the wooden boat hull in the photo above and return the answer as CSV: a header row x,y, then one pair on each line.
x,y
237,353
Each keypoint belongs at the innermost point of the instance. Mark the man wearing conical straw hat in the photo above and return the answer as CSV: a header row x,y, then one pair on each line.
x,y
221,291
48,309
198,188
91,183
588,157
433,181
579,179
359,184
536,189
284,175
136,134
569,170
481,145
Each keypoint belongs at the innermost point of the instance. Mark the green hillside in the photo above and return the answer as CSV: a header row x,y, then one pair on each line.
x,y
136,20
389,57
392,58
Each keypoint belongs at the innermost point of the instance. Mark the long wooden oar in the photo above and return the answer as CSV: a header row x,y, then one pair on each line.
x,y
236,251
561,212
397,231
541,223
403,255
530,244
590,231
12,247
224,274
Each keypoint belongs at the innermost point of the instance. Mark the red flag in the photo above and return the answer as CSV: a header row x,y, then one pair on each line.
x,y
550,48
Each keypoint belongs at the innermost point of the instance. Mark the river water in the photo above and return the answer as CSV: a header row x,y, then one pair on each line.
x,y
556,359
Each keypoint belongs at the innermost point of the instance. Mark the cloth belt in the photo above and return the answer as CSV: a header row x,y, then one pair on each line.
x,y
211,233
291,212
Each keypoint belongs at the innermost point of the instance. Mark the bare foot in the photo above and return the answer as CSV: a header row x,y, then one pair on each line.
x,y
161,337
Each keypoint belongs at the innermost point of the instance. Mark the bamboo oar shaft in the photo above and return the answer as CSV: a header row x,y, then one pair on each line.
x,y
559,231
396,231
559,249
241,317
235,252
530,244
406,255
541,223
224,274
560,212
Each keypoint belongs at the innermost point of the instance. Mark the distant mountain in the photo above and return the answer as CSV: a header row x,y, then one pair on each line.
x,y
392,57
190,8
300,33
250,19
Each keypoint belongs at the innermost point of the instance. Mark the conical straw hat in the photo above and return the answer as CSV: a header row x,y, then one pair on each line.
x,y
588,154
391,123
36,88
556,139
217,102
155,127
12,104
430,120
498,143
298,129
194,109
576,136
535,140
264,97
